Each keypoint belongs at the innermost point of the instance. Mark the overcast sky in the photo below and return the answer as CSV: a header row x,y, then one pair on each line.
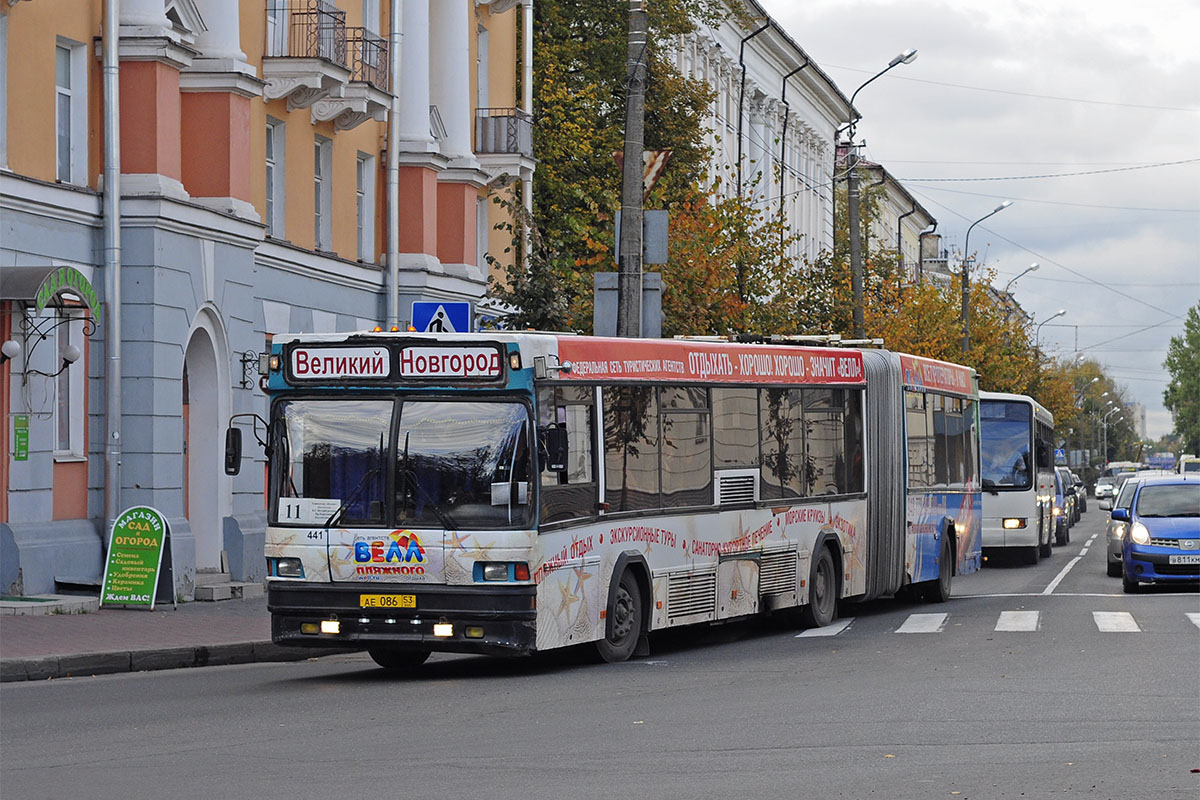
x,y
1016,88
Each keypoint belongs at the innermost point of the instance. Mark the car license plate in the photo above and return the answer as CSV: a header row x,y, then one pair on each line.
x,y
1189,559
387,601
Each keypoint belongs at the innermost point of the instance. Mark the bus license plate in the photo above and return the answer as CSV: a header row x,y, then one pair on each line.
x,y
1190,559
387,601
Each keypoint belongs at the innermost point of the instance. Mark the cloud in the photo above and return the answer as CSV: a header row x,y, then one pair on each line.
x,y
1054,86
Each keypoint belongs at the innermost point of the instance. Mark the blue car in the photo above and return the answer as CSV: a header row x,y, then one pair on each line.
x,y
1162,539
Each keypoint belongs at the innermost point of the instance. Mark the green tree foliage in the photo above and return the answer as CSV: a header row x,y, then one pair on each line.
x,y
579,123
1182,394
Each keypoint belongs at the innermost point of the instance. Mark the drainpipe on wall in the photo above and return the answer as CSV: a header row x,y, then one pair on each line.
x,y
527,103
111,211
393,176
900,231
742,101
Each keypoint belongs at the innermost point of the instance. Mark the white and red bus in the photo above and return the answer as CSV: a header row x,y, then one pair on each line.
x,y
512,492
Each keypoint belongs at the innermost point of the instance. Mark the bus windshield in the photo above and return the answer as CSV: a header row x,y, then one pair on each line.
x,y
453,465
1005,434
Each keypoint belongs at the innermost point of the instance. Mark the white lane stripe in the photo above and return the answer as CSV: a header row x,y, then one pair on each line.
x,y
1018,621
1058,579
1095,536
1083,552
1115,622
1195,618
828,630
923,623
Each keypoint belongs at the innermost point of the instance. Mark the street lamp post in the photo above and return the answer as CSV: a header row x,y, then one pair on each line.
x,y
856,276
1104,422
1037,335
1032,267
966,276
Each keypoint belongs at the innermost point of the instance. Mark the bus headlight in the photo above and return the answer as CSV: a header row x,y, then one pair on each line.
x,y
287,568
1138,534
1013,523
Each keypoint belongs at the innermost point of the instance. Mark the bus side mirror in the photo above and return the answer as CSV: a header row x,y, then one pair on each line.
x,y
233,451
555,439
1043,455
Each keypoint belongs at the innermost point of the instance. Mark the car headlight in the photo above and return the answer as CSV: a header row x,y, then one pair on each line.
x,y
1057,511
1138,534
1118,531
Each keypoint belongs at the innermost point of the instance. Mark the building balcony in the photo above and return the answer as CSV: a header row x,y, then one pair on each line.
x,y
305,59
504,141
366,96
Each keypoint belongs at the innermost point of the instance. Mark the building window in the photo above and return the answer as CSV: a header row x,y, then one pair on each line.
x,y
371,15
70,112
365,205
276,196
69,408
322,193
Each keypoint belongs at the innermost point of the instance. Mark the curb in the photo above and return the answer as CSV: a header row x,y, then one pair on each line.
x,y
90,664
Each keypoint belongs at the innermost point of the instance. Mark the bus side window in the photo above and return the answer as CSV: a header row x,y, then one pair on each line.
x,y
570,412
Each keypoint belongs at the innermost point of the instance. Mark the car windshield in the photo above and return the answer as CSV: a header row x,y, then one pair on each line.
x,y
1125,498
1169,500
1004,443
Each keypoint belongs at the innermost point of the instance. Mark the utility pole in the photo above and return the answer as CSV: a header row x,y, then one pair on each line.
x,y
856,268
629,275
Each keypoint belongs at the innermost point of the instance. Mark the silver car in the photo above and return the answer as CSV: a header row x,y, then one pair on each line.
x,y
1104,487
1115,535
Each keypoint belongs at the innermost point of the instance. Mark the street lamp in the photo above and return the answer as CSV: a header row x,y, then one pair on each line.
x,y
856,276
966,282
1037,335
1032,267
1104,422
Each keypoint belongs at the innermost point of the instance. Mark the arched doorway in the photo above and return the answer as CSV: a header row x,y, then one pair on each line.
x,y
205,500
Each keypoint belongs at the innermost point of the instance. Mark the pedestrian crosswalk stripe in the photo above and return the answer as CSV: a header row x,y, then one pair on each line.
x,y
828,630
923,623
1195,618
1115,622
1018,621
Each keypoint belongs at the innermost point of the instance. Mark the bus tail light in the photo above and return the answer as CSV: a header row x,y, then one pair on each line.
x,y
1013,523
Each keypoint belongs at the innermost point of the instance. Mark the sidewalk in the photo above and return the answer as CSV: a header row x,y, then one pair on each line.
x,y
63,644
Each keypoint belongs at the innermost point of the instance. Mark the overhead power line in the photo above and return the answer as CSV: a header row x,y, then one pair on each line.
x,y
1052,175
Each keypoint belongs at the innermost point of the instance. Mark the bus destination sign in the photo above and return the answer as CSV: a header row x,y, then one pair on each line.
x,y
450,362
326,363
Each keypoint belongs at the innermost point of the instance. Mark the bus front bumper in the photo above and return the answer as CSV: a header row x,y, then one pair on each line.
x,y
493,620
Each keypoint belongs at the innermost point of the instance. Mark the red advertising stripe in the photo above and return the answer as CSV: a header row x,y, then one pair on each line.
x,y
611,359
927,373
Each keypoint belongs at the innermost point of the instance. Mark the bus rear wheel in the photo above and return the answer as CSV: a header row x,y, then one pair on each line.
x,y
624,625
822,593
398,660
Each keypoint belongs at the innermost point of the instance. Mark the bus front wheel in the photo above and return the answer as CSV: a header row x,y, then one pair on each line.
x,y
822,593
624,622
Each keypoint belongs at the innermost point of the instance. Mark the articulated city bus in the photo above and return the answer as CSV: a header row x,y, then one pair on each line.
x,y
510,492
1017,465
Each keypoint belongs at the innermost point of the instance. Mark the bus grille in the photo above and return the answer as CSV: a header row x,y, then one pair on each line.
x,y
777,572
691,593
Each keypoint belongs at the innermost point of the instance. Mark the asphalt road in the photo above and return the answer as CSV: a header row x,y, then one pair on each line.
x,y
1082,692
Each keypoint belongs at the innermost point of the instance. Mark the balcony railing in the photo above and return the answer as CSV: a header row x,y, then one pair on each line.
x,y
306,29
368,62
504,130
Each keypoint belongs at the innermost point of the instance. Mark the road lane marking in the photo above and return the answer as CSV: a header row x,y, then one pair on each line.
x,y
1195,618
923,623
1058,579
1115,622
1018,621
828,630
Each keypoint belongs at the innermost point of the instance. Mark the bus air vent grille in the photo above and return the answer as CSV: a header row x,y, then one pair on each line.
x,y
737,486
689,594
777,572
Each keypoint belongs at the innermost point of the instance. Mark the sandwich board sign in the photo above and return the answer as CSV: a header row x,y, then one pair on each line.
x,y
441,317
134,573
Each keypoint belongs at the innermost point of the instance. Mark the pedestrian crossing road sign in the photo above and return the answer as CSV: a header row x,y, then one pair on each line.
x,y
441,317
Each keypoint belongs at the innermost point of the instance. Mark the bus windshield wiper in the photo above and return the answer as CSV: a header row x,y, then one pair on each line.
x,y
409,476
362,484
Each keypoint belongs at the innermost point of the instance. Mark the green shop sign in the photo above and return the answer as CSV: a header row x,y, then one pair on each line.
x,y
132,572
72,281
21,437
